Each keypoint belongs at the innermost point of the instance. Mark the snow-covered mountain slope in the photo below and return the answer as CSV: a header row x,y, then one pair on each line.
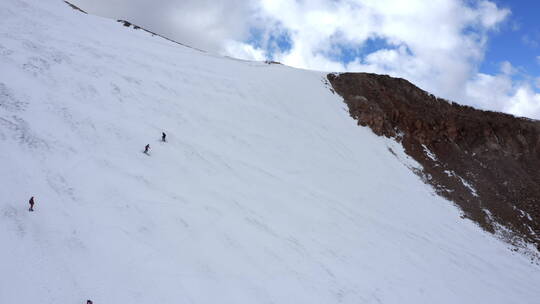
x,y
266,192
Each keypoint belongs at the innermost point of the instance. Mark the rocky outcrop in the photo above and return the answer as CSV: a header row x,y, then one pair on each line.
x,y
136,27
488,163
75,7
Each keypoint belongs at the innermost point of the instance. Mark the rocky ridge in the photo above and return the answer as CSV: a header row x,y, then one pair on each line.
x,y
485,162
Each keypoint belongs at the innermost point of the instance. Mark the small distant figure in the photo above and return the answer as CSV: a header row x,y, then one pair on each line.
x,y
89,302
31,202
146,149
163,137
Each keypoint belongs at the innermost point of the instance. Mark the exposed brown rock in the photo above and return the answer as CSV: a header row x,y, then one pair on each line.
x,y
488,163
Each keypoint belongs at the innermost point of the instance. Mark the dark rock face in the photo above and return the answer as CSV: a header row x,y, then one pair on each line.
x,y
488,163
75,7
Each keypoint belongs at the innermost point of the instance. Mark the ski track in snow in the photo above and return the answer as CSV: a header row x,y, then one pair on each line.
x,y
266,192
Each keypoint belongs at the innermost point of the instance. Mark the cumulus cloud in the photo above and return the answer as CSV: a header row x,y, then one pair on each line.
x,y
501,92
438,45
525,102
507,68
244,51
435,44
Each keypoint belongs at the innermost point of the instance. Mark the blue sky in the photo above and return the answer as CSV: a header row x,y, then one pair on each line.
x,y
518,39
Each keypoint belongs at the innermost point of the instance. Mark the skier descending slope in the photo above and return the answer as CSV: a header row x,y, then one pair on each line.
x,y
31,202
163,137
146,149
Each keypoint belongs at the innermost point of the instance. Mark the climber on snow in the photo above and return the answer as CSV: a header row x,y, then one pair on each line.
x,y
31,202
146,148
163,137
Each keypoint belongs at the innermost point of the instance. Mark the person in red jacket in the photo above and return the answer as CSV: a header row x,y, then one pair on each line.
x,y
31,201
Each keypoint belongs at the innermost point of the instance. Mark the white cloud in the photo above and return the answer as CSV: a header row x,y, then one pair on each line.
x,y
489,91
436,44
507,68
525,102
490,14
500,92
244,51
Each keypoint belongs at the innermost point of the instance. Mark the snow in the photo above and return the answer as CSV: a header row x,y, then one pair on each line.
x,y
266,192
463,181
429,153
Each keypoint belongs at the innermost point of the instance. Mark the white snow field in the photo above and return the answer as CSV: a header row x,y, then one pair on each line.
x,y
266,192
